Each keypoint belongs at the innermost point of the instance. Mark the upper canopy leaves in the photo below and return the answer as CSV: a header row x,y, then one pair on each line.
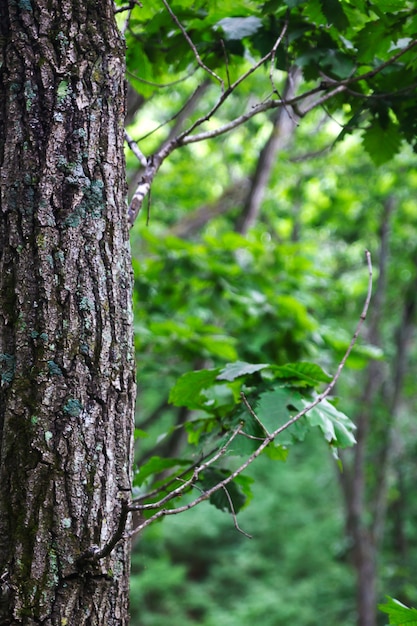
x,y
363,51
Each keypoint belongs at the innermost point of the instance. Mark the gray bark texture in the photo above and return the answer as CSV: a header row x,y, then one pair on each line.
x,y
66,353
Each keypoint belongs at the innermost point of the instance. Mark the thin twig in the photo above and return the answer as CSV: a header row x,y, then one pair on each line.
x,y
273,53
186,137
252,412
188,483
128,7
192,46
160,85
225,94
233,513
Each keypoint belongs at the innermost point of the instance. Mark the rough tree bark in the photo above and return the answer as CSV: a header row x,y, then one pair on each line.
x,y
66,356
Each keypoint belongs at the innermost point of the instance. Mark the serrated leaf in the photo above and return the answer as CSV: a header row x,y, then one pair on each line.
x,y
234,370
188,390
275,408
239,27
382,144
334,13
372,41
310,373
336,427
399,614
313,11
253,435
338,63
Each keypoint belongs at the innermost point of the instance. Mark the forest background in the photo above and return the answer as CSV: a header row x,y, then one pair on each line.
x,y
251,248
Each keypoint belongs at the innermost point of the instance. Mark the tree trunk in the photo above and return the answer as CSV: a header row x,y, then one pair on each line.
x,y
66,355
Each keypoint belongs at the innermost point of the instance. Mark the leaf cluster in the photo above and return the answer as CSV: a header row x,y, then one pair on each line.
x,y
359,55
239,410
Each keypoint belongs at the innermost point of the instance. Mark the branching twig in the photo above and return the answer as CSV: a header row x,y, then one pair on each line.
x,y
95,553
188,483
255,417
271,437
187,137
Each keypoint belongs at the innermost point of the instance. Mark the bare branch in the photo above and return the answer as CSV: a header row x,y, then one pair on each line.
x,y
233,514
225,94
136,150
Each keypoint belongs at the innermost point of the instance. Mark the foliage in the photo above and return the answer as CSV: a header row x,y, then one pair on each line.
x,y
246,312
357,54
276,400
195,568
399,614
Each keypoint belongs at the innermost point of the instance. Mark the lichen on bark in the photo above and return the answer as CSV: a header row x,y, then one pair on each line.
x,y
66,356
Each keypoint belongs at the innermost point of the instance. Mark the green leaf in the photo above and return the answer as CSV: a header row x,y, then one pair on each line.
x,y
275,408
310,373
338,63
372,41
334,13
234,370
336,427
244,483
294,3
156,465
389,5
239,27
276,452
399,614
382,144
188,390
140,434
235,496
219,346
